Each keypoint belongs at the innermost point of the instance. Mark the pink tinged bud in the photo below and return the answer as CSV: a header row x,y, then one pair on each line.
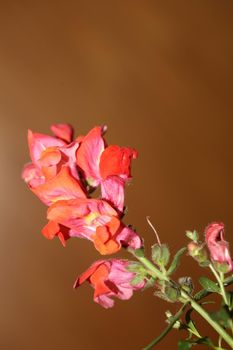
x,y
218,247
109,279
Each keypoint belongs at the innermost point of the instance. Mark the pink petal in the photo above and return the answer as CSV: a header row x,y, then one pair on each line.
x,y
39,142
89,153
112,189
32,175
130,238
63,131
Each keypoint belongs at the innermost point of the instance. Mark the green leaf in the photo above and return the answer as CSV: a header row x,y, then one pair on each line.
x,y
222,317
140,253
135,267
176,261
184,345
205,341
137,279
209,285
149,283
229,295
187,344
190,323
160,254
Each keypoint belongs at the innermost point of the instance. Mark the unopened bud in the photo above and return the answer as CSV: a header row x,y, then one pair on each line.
x,y
172,293
198,253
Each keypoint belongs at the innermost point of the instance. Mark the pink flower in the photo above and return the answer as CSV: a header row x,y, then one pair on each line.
x,y
109,279
109,167
93,219
218,247
53,173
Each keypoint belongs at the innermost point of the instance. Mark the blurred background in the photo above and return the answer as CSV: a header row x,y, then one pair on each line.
x,y
159,74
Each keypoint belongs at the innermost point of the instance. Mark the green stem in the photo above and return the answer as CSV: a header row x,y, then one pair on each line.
x,y
220,282
207,317
167,329
155,272
152,269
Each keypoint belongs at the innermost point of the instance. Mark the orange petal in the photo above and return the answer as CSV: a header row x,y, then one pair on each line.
x,y
61,187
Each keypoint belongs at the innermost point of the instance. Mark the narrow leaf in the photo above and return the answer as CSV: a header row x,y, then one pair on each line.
x,y
209,285
176,261
184,345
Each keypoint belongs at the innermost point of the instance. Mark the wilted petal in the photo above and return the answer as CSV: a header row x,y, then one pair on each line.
x,y
63,131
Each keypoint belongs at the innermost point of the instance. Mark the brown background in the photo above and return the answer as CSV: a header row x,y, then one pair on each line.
x,y
159,74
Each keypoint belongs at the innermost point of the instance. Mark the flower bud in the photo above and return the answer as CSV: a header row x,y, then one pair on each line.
x,y
218,247
172,293
198,253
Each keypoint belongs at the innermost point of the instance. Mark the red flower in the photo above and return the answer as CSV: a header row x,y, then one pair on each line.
x,y
109,279
109,166
218,247
53,174
93,219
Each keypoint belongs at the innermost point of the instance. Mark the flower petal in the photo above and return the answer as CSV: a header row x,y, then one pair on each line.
x,y
39,142
62,187
116,160
63,132
112,189
52,229
88,155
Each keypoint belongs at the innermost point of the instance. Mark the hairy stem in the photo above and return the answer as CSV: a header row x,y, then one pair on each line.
x,y
167,329
220,282
156,273
211,322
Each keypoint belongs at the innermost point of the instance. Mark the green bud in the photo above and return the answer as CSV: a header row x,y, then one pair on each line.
x,y
172,293
193,235
160,254
198,253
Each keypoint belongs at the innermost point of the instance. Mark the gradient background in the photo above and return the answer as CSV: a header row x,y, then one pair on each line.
x,y
159,74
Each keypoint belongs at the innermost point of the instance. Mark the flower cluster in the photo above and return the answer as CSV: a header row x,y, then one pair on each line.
x,y
63,174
